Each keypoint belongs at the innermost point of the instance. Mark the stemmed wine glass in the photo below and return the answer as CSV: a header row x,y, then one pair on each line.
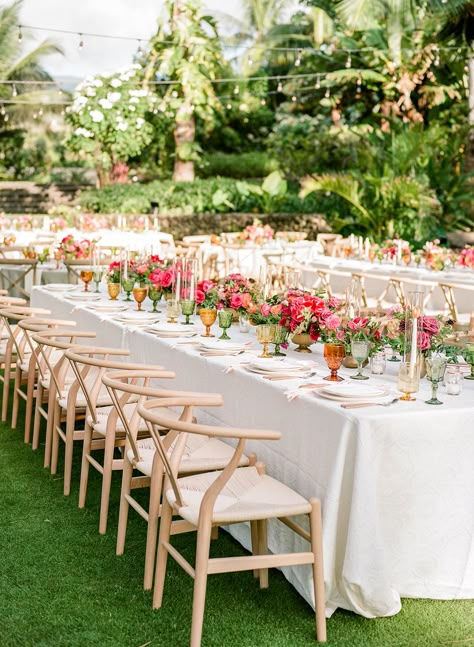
x,y
408,380
86,277
360,352
334,354
187,308
225,321
128,285
435,367
97,279
265,335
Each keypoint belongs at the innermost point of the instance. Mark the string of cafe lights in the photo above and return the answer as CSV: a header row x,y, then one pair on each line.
x,y
300,51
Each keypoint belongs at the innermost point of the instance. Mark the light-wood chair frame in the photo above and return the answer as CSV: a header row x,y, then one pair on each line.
x,y
260,561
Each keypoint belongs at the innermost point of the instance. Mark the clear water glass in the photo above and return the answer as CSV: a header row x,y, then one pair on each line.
x,y
360,352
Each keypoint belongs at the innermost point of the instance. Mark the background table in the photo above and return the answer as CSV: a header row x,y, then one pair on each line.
x,y
396,483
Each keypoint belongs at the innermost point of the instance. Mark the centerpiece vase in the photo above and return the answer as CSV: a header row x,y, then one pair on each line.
x,y
304,341
114,290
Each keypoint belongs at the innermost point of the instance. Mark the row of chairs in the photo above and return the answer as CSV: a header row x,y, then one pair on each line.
x,y
198,481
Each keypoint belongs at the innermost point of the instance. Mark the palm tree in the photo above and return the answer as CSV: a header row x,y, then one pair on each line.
x,y
15,65
186,50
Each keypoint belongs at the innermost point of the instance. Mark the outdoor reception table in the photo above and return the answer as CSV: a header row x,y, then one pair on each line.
x,y
396,483
378,273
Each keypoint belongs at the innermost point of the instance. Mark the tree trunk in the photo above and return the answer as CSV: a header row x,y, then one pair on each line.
x,y
469,159
183,134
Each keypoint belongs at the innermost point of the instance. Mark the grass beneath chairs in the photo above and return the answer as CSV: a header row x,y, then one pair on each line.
x,y
62,585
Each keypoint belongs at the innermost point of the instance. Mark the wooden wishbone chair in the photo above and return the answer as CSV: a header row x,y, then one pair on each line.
x,y
75,397
29,369
10,316
52,344
104,428
201,454
203,501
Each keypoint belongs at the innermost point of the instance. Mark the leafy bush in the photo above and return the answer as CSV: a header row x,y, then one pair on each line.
x,y
240,166
213,195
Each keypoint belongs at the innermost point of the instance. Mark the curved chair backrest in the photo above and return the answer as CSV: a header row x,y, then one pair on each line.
x,y
129,385
154,413
35,325
9,316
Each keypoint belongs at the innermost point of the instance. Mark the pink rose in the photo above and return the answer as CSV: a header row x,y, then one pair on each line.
x,y
235,301
276,309
265,309
333,322
423,340
205,285
200,296
166,278
246,299
340,335
430,325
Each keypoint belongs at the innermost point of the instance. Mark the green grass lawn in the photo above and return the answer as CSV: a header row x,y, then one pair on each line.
x,y
61,583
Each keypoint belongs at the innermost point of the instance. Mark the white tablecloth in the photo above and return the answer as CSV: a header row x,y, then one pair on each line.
x,y
379,271
396,483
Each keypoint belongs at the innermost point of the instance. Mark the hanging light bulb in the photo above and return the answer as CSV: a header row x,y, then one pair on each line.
x,y
60,92
229,106
20,34
35,116
40,113
327,94
236,89
191,58
318,83
279,86
81,42
293,98
6,118
140,49
263,102
349,61
298,58
14,91
250,61
2,111
436,58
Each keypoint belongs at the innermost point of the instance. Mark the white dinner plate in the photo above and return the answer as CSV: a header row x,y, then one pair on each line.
x,y
354,390
221,345
283,365
83,296
107,306
171,335
60,287
362,398
137,317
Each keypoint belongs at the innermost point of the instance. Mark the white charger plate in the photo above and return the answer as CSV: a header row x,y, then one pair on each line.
x,y
60,287
362,398
137,317
283,365
107,306
83,296
221,345
353,390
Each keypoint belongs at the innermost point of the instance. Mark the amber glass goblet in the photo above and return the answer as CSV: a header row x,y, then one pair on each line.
x,y
334,354
86,277
139,294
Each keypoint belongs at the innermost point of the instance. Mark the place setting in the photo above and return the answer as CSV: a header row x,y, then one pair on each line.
x,y
222,348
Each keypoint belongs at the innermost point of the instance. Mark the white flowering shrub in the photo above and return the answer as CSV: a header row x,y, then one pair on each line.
x,y
108,119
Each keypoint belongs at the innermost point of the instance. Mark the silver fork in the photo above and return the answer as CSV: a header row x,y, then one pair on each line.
x,y
357,405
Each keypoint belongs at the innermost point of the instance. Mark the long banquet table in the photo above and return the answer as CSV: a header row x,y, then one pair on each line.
x,y
396,483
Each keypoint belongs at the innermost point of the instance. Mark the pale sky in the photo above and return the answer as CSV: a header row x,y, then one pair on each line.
x,y
134,18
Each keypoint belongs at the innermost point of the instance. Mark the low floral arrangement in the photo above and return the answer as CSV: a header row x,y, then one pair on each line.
x,y
4,221
367,329
207,295
431,334
143,270
268,312
57,224
257,233
70,248
466,258
437,258
92,223
162,277
303,312
24,223
113,273
236,292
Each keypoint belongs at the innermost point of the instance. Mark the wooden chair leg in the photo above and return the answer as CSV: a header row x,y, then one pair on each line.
x,y
263,550
37,417
203,541
86,450
16,397
106,481
6,389
53,419
162,553
315,525
127,474
55,440
152,530
68,450
254,537
30,395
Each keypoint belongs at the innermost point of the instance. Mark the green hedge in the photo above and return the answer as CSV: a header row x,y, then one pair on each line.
x,y
240,165
213,195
